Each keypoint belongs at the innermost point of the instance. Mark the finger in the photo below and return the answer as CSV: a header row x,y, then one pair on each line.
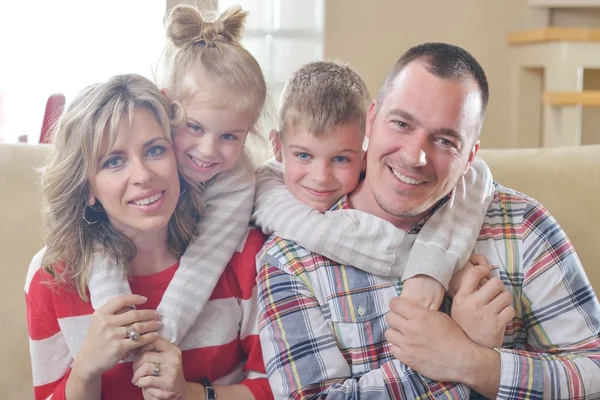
x,y
507,315
477,259
147,326
161,345
160,394
129,344
490,290
395,321
500,302
133,316
394,337
471,278
158,382
125,300
149,357
406,308
145,369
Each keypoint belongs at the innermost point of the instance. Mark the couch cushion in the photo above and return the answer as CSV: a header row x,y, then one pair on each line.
x,y
21,236
566,181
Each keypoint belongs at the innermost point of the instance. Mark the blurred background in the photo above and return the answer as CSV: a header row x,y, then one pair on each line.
x,y
57,47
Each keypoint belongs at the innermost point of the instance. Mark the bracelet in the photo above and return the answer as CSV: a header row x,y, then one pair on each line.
x,y
209,389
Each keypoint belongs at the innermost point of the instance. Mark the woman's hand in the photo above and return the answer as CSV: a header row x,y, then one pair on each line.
x,y
107,340
158,370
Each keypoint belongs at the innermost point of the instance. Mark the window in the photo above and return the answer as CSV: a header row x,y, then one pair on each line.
x,y
282,35
65,45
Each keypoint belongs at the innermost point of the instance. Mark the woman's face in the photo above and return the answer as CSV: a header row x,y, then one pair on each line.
x,y
136,180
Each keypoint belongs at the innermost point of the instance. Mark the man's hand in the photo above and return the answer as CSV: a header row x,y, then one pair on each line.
x,y
424,291
429,342
482,313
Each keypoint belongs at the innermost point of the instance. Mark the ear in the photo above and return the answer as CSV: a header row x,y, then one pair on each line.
x,y
275,139
363,164
91,197
166,94
371,114
472,155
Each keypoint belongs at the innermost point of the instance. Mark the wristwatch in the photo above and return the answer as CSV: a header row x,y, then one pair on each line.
x,y
209,389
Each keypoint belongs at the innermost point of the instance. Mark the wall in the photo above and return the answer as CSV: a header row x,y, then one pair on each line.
x,y
372,35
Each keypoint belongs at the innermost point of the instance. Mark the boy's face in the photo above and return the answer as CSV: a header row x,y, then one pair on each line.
x,y
319,170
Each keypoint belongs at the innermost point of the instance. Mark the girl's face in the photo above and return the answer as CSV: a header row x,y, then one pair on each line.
x,y
136,180
212,141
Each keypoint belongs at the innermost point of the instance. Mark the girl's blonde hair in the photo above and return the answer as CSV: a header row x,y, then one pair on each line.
x,y
92,118
204,55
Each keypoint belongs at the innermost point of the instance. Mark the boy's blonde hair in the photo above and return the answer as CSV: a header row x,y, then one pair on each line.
x,y
204,55
92,118
321,95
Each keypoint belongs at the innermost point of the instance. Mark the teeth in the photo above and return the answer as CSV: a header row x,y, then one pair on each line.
x,y
147,201
405,179
201,164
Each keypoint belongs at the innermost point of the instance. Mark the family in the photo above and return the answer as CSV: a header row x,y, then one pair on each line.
x,y
373,257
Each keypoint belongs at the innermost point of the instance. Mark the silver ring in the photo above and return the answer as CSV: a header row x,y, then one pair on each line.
x,y
156,369
132,333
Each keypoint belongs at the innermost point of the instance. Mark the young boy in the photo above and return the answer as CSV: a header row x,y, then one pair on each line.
x,y
319,159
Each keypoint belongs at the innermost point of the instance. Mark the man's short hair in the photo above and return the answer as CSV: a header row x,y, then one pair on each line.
x,y
321,95
445,61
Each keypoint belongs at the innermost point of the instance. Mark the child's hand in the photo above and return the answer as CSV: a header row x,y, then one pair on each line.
x,y
424,291
482,310
476,265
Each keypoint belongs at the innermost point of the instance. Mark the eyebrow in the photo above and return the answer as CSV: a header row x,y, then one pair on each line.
x,y
192,120
302,148
402,114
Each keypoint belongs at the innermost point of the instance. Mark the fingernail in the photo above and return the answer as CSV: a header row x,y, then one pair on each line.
x,y
144,298
159,323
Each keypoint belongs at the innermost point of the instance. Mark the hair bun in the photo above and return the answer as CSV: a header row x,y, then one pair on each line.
x,y
185,26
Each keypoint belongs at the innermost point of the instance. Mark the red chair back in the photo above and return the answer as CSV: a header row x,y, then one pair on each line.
x,y
54,108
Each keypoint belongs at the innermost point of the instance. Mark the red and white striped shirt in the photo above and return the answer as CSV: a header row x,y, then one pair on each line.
x,y
222,345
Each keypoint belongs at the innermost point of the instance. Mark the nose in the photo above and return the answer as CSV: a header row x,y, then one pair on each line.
x,y
321,172
140,173
208,146
414,150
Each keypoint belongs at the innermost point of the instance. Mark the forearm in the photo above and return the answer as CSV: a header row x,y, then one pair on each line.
x,y
196,391
483,373
82,385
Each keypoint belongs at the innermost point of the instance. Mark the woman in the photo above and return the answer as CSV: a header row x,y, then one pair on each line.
x,y
112,190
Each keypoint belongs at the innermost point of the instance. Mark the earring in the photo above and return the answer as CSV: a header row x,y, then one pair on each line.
x,y
83,214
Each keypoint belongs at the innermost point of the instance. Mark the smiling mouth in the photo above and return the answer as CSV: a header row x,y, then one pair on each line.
x,y
148,200
320,193
200,163
406,179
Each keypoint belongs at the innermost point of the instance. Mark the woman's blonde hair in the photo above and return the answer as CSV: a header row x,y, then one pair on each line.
x,y
204,55
92,118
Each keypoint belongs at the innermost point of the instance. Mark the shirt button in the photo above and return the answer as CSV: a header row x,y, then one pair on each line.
x,y
361,311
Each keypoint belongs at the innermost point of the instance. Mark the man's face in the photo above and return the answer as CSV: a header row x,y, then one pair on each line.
x,y
421,141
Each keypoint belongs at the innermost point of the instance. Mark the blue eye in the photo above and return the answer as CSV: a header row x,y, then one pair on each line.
x,y
114,162
341,159
156,151
228,136
303,156
195,129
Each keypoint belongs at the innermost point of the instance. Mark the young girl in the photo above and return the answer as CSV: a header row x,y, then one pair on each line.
x,y
222,89
113,191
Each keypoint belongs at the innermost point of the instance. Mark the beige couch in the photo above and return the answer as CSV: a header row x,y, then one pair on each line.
x,y
566,180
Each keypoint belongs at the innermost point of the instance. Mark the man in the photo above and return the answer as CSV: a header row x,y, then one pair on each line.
x,y
323,325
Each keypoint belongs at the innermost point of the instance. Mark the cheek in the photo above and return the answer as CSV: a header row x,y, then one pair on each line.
x,y
109,189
